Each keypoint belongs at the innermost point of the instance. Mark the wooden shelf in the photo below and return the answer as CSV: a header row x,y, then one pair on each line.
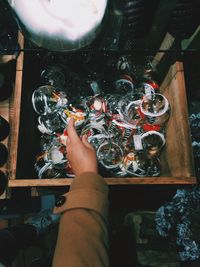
x,y
109,181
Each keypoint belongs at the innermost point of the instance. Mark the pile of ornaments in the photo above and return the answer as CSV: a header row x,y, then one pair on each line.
x,y
126,128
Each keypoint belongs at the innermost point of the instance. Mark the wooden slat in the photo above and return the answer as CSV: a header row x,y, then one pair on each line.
x,y
178,137
109,181
167,43
14,113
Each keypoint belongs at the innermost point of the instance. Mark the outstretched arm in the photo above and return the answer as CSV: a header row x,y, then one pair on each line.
x,y
83,238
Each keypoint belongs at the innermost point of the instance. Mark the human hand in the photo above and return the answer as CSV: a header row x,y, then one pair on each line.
x,y
80,153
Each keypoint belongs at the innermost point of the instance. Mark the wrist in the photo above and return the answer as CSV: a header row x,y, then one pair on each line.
x,y
94,171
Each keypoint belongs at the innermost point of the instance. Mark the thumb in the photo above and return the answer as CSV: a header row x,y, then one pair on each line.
x,y
85,142
71,131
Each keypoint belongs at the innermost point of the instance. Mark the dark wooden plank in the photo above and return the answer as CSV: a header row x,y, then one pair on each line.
x,y
159,26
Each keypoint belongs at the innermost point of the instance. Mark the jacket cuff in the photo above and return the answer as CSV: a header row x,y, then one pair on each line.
x,y
87,191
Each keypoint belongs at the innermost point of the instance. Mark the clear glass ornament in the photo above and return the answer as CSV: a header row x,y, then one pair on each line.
x,y
77,111
152,142
46,99
124,86
112,101
153,167
52,162
156,109
97,107
110,155
123,63
133,164
51,123
96,134
129,108
53,75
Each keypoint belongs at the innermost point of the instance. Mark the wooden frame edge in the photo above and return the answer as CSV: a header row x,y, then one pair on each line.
x,y
110,181
15,112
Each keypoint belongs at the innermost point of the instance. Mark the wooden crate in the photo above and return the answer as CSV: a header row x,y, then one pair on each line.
x,y
176,159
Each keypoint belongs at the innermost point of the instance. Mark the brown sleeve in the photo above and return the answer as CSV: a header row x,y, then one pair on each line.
x,y
83,238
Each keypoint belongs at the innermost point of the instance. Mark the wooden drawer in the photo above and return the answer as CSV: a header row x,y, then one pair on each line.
x,y
176,159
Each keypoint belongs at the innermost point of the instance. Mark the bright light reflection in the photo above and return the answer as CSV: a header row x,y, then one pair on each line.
x,y
70,19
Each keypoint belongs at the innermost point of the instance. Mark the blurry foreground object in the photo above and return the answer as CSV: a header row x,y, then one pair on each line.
x,y
9,48
60,25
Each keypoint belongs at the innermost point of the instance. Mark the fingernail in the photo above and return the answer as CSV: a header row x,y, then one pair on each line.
x,y
72,120
85,136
